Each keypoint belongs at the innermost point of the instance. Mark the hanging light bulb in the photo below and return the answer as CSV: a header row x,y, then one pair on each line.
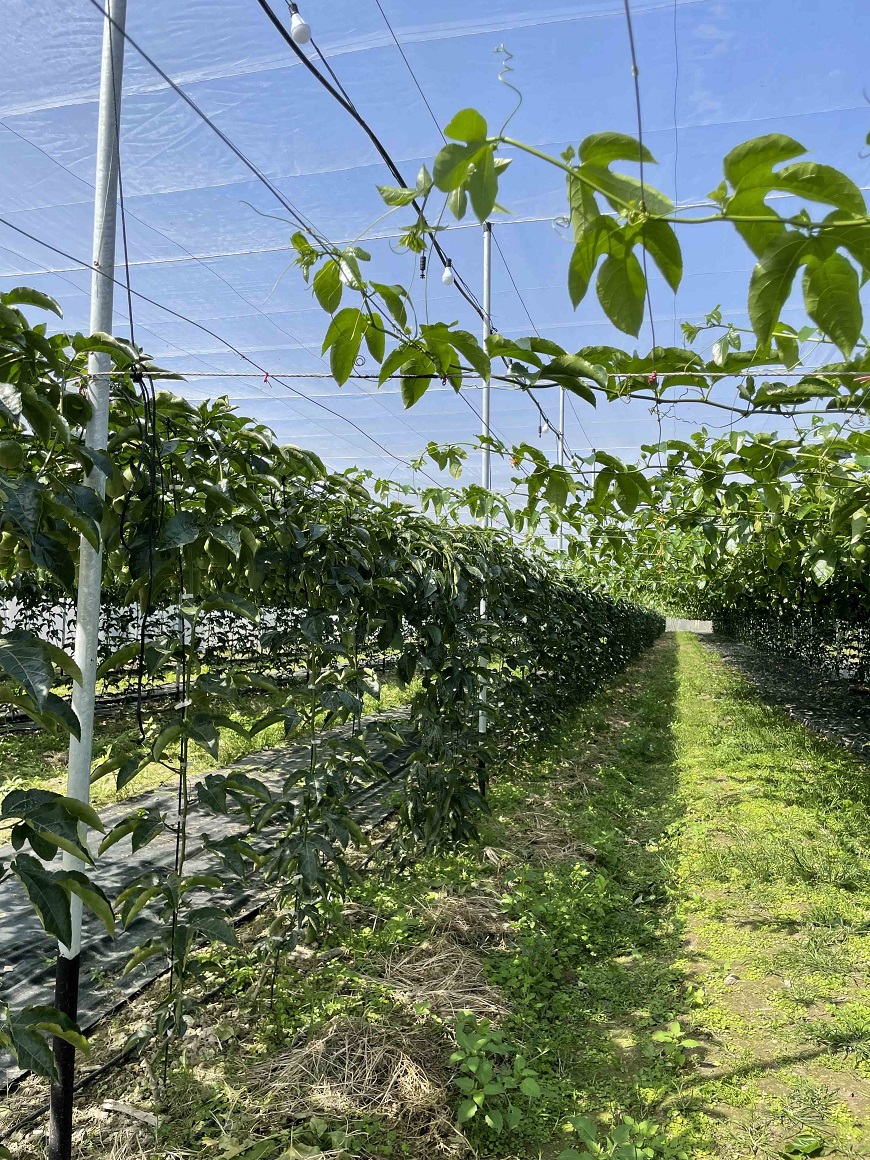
x,y
447,277
300,30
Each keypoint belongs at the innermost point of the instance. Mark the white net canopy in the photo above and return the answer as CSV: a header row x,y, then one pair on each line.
x,y
208,240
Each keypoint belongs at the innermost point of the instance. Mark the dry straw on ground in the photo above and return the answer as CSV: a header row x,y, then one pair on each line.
x,y
354,1069
445,976
548,841
475,920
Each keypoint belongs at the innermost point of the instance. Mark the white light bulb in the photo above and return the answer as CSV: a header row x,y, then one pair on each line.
x,y
447,277
299,29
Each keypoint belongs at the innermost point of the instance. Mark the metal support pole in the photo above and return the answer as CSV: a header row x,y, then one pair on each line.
x,y
485,470
485,475
90,561
560,455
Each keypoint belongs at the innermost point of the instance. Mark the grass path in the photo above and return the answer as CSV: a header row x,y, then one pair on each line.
x,y
772,885
662,938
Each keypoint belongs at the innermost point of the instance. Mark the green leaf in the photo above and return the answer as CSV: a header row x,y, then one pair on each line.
x,y
91,895
832,300
854,239
165,738
393,300
397,195
10,401
465,1111
821,183
483,185
227,535
467,125
802,392
494,1119
64,661
83,812
760,152
457,202
49,898
27,1030
143,825
181,529
824,567
621,289
772,280
343,340
129,769
202,731
286,716
376,337
328,286
26,659
806,1144
470,349
585,1128
602,148
620,189
50,1021
594,239
575,365
530,1088
396,359
212,922
416,379
148,951
660,242
122,352
451,165
57,711
26,296
787,346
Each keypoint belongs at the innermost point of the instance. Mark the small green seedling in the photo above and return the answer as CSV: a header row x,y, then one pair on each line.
x,y
489,1079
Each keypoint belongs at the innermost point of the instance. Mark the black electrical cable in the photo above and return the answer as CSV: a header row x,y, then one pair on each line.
x,y
348,105
351,109
297,216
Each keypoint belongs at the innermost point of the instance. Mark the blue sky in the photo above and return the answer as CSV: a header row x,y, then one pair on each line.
x,y
712,73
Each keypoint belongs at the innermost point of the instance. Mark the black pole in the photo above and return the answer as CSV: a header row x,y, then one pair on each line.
x,y
66,999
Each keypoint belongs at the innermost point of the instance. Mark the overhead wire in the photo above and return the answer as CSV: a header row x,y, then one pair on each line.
x,y
262,371
351,109
433,235
404,57
298,217
341,95
635,73
304,222
296,214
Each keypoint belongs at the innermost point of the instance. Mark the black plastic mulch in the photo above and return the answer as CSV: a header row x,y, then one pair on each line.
x,y
27,953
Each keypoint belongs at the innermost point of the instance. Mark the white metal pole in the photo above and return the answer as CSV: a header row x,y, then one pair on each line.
x,y
561,456
485,469
91,560
486,478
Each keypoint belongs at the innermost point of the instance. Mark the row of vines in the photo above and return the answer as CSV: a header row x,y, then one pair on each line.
x,y
208,526
235,567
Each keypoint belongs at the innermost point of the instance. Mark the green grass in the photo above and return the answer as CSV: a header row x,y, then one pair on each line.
x,y
683,883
